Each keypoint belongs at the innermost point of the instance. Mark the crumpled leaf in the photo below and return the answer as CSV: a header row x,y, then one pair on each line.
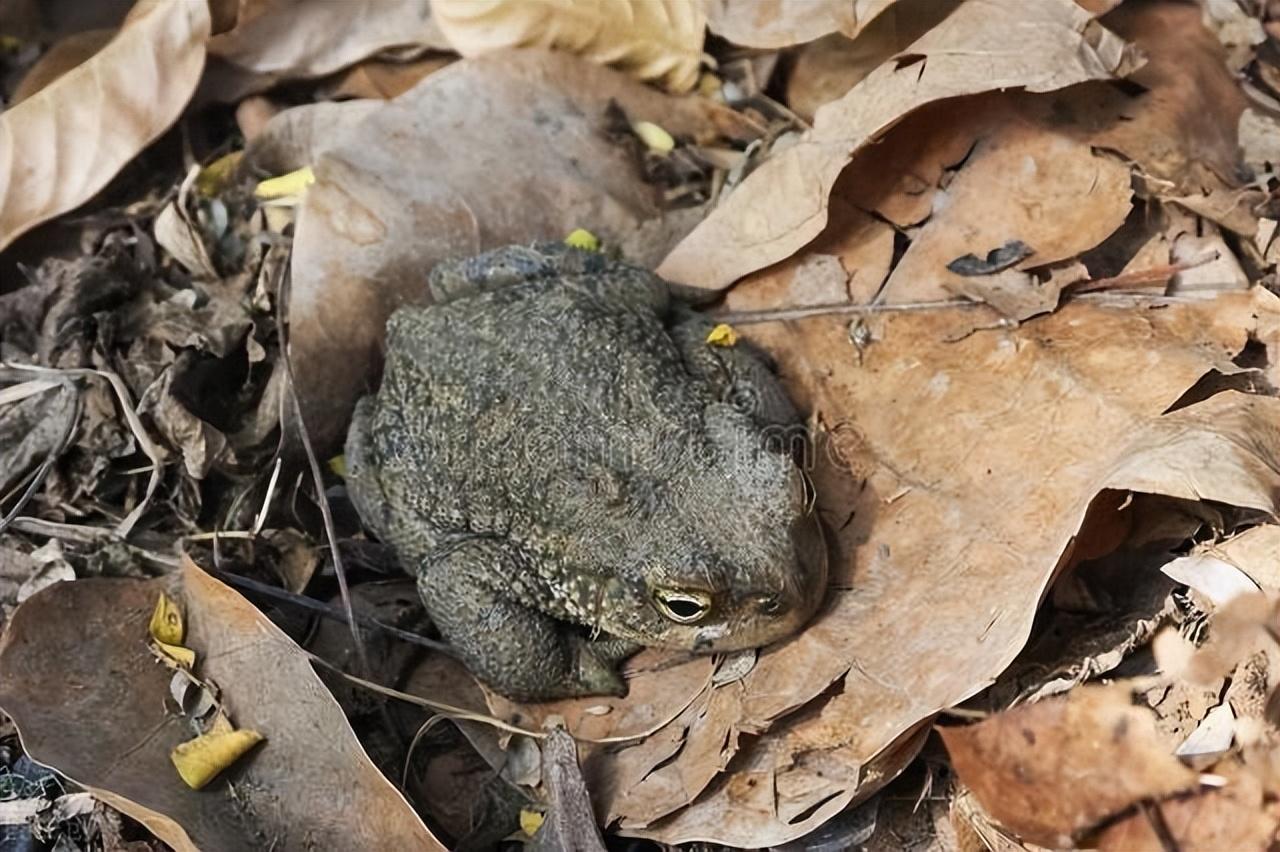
x,y
78,680
1054,768
129,93
60,58
783,204
658,40
293,39
783,23
414,183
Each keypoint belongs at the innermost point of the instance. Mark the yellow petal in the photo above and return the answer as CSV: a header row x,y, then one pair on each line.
x,y
531,821
183,658
722,335
200,760
338,464
658,140
166,625
214,177
284,186
583,239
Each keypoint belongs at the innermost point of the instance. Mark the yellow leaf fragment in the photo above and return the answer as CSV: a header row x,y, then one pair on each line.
x,y
722,335
583,239
338,464
183,658
285,186
654,137
214,177
199,761
531,821
167,626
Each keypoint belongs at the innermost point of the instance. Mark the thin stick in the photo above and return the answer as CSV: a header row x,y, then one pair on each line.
x,y
317,478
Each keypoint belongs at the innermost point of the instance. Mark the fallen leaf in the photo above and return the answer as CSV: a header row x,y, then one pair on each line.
x,y
88,698
383,79
1234,817
60,58
129,92
1052,769
1254,553
415,182
291,39
783,23
1216,579
657,40
783,204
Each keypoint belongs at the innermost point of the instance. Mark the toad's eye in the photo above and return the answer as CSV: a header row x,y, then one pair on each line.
x,y
685,607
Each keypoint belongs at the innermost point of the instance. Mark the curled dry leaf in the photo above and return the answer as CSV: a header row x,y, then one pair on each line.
x,y
292,39
783,23
953,478
89,700
1026,182
1050,770
783,204
658,40
1234,817
416,182
62,144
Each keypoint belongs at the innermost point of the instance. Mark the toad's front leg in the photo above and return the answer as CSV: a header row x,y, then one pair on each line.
x,y
519,651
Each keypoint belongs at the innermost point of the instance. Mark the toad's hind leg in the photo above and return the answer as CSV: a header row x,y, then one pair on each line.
x,y
519,651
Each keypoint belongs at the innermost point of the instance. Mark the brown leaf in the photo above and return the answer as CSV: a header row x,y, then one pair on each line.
x,y
1183,131
1023,182
375,78
783,204
293,39
89,700
1050,770
128,93
783,23
59,59
1233,817
418,181
655,40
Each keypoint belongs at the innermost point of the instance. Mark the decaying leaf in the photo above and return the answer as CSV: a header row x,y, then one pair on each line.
x,y
302,39
1052,769
658,40
114,734
783,23
62,144
783,204
414,183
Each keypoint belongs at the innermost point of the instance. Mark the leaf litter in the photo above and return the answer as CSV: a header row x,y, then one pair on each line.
x,y
1024,296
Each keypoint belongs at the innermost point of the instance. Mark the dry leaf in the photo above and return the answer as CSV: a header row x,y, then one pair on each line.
x,y
783,23
292,39
1023,182
658,40
1050,770
382,79
62,145
1234,817
88,699
59,59
783,204
415,182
